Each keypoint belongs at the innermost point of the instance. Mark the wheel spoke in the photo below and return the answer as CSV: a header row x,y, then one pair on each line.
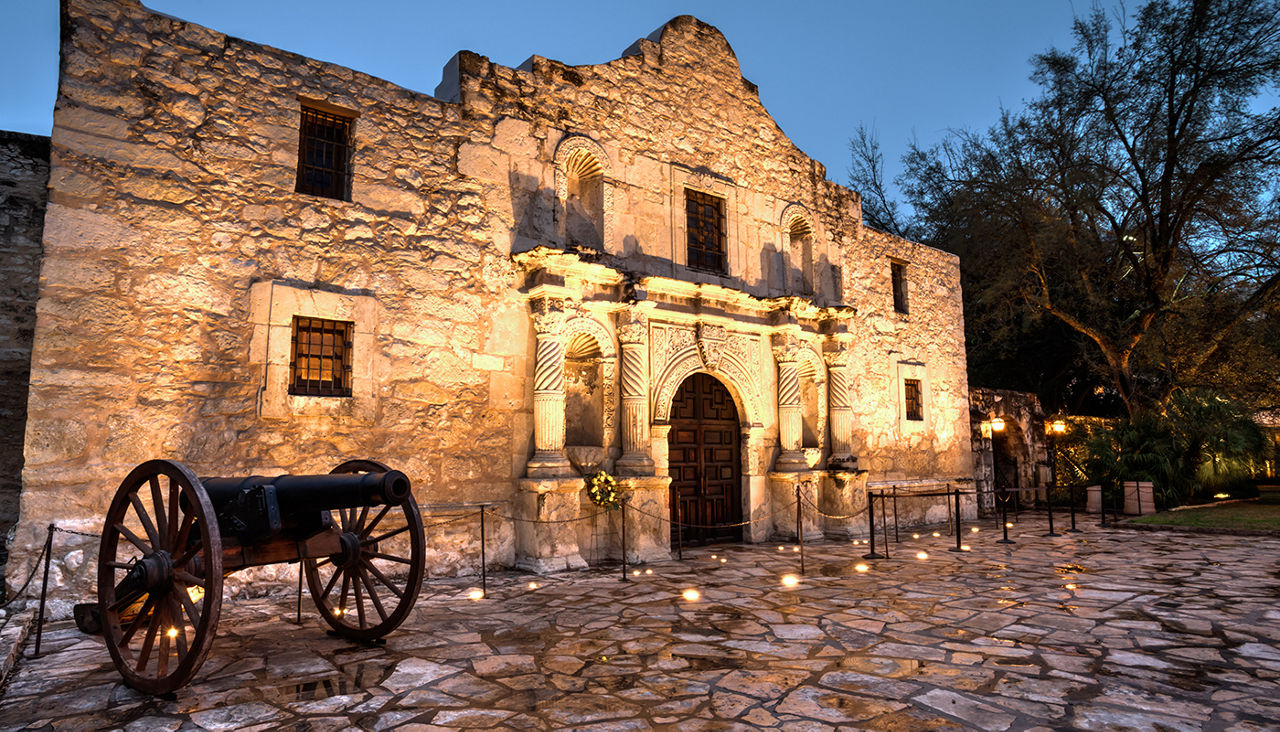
x,y
323,562
162,520
162,658
332,581
373,594
176,613
364,514
133,538
190,579
342,599
366,530
127,635
125,601
126,566
388,557
150,528
193,613
383,579
174,506
186,556
385,536
355,587
148,641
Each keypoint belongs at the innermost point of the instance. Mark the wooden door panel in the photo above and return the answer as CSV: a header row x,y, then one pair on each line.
x,y
704,460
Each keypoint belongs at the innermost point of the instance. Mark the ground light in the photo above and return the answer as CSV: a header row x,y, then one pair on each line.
x,y
922,555
534,585
691,595
860,567
475,593
790,580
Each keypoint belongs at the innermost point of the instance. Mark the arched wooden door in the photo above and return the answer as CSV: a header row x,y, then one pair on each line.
x,y
705,467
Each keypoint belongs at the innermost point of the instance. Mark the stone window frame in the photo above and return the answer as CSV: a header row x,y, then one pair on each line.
x,y
916,370
272,308
307,349
565,152
350,116
682,178
899,286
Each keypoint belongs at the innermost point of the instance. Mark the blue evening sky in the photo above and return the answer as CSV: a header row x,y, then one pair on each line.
x,y
909,68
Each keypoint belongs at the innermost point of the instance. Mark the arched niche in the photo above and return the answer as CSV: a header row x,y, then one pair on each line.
x,y
800,236
584,193
813,399
590,378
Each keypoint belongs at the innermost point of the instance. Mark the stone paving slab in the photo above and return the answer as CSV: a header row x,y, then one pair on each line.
x,y
1103,630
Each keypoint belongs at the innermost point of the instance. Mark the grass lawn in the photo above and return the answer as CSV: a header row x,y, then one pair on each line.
x,y
1263,513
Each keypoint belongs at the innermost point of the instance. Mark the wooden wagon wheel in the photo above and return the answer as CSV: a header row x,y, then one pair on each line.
x,y
159,576
366,590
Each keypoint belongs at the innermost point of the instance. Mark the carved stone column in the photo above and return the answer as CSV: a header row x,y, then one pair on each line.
x,y
548,459
840,405
633,334
786,350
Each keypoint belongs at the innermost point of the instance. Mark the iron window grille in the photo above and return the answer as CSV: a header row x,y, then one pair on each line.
x,y
898,272
911,394
705,224
324,144
320,357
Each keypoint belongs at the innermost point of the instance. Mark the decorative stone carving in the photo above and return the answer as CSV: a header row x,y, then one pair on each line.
x,y
840,403
711,340
675,348
786,350
548,315
549,459
633,333
634,330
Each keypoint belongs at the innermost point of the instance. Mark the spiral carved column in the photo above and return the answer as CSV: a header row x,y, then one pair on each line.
x,y
548,460
840,405
633,334
786,350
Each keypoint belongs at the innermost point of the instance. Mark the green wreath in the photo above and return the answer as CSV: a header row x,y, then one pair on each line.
x,y
602,489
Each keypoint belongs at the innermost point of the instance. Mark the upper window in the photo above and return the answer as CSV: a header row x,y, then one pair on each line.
x,y
801,236
911,396
898,272
321,357
324,142
705,225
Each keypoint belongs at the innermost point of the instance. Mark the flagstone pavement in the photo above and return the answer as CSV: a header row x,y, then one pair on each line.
x,y
1106,629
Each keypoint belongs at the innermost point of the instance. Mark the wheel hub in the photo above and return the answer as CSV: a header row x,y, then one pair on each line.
x,y
349,555
152,572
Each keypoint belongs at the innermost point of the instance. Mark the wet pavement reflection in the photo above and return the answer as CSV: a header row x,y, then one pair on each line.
x,y
1107,629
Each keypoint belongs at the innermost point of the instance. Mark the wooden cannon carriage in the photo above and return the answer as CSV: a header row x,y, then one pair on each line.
x,y
170,538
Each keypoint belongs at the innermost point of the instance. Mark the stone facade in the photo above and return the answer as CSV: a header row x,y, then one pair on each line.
x,y
1023,450
514,258
24,175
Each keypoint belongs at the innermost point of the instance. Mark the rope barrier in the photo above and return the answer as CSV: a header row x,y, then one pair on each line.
x,y
830,516
552,521
32,575
684,525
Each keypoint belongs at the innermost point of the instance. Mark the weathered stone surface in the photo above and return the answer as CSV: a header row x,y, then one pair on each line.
x,y
498,243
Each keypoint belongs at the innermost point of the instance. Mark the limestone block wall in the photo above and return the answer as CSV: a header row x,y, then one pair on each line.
x,y
926,343
24,175
175,151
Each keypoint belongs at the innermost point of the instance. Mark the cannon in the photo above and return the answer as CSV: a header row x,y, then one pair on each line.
x,y
170,538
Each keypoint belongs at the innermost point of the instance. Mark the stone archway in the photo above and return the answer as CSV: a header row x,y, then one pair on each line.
x,y
704,461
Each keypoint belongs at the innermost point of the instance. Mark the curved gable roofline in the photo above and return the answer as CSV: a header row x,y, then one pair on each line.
x,y
687,36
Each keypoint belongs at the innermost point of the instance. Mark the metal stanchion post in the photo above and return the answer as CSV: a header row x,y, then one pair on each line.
x,y
957,546
44,588
679,530
484,564
1102,504
799,528
895,516
871,527
299,618
884,527
1071,492
624,540
1004,520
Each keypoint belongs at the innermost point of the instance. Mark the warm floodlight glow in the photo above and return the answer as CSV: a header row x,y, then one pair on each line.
x,y
790,580
997,425
648,571
936,534
475,593
974,529
691,595
1220,496
915,536
533,585
713,556
723,560
337,612
860,568
964,547
636,572
782,548
1008,524
1058,426
856,542
922,555
195,593
1070,586
172,633
795,548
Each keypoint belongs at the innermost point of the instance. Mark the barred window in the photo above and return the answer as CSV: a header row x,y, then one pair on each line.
x,y
898,272
705,224
911,395
324,141
321,357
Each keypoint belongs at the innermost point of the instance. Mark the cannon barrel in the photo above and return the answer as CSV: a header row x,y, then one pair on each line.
x,y
321,492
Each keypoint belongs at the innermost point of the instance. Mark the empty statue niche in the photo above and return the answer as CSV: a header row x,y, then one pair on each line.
x,y
801,235
583,393
811,384
584,201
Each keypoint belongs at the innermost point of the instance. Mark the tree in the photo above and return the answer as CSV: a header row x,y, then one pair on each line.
x,y
1134,202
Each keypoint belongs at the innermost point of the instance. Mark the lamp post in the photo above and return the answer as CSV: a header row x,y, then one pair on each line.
x,y
1051,431
997,425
